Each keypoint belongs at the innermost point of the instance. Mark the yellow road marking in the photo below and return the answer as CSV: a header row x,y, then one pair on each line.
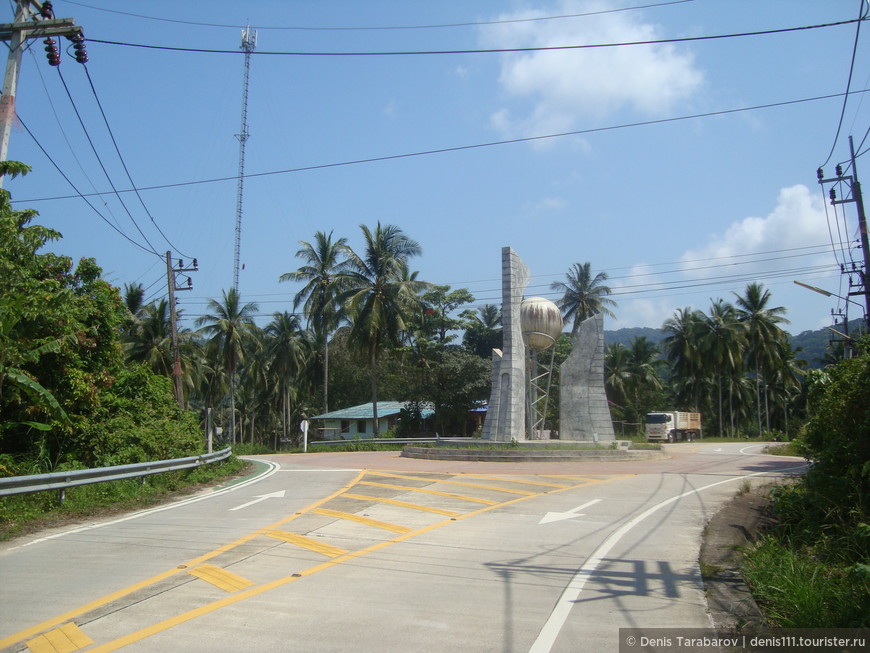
x,y
50,623
225,580
477,485
514,480
424,490
362,520
308,543
401,504
66,639
166,624
260,589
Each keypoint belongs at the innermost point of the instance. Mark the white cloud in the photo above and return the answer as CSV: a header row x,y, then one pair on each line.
x,y
798,220
565,86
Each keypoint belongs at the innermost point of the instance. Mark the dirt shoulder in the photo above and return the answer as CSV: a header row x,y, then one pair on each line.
x,y
739,523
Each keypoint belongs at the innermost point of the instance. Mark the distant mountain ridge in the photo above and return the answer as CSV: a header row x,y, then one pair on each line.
x,y
810,346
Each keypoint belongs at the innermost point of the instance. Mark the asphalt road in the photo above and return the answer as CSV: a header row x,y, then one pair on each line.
x,y
373,552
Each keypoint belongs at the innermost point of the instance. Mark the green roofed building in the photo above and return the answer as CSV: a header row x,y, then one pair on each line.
x,y
357,421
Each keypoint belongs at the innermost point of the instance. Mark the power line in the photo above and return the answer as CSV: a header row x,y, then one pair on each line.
x,y
124,165
100,161
384,27
861,16
408,53
461,148
69,181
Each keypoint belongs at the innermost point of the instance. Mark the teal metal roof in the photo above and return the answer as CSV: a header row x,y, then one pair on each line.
x,y
364,411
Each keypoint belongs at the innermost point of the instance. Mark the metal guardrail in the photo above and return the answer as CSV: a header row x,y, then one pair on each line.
x,y
63,480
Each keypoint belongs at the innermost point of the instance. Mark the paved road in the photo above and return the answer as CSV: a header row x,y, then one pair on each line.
x,y
373,552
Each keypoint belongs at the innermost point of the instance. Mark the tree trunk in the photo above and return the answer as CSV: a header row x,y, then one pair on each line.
x,y
326,372
232,409
374,380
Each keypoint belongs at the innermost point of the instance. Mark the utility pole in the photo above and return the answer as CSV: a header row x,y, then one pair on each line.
x,y
172,282
32,20
853,196
249,42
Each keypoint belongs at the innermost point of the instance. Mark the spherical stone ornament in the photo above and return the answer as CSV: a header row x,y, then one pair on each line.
x,y
541,323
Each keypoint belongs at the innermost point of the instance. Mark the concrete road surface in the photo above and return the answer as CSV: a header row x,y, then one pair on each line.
x,y
374,552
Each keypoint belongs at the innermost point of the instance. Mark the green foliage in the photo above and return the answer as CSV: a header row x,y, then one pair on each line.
x,y
801,591
138,420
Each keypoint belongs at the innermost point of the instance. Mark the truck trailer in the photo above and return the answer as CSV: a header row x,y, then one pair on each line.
x,y
672,426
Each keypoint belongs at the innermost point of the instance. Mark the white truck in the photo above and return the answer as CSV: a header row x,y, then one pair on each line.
x,y
672,425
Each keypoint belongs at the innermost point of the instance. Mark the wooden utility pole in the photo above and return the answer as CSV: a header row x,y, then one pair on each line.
x,y
32,20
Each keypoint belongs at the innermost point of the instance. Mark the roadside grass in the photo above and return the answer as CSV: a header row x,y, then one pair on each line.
x,y
796,589
25,513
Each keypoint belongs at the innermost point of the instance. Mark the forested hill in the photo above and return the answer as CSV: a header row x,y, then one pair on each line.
x,y
810,346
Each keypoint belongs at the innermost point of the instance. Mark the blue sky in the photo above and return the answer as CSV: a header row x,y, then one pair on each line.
x,y
676,211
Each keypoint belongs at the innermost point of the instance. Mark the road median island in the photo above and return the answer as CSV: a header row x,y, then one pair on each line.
x,y
525,454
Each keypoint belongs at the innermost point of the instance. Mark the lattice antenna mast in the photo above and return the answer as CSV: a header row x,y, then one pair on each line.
x,y
249,43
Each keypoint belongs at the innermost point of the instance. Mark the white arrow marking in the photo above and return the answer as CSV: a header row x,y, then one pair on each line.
x,y
719,449
559,516
273,495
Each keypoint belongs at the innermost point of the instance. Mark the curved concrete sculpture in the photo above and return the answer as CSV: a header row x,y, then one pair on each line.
x,y
584,413
505,415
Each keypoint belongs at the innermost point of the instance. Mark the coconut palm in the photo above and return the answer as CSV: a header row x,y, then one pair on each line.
x,y
583,295
682,349
321,273
227,325
288,349
380,295
150,338
763,334
722,339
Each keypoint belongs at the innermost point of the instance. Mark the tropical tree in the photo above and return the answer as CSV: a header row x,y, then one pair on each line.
x,y
583,295
482,330
288,349
617,378
227,325
764,336
643,364
683,351
722,340
321,273
379,296
150,338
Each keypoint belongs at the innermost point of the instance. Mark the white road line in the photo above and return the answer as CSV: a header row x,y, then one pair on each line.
x,y
273,467
559,615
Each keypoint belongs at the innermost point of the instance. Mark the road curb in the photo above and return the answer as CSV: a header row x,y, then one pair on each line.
x,y
535,455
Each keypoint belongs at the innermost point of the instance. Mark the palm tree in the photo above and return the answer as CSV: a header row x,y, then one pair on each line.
x,y
226,325
287,349
682,350
643,363
583,295
379,295
617,377
150,339
763,334
722,338
321,274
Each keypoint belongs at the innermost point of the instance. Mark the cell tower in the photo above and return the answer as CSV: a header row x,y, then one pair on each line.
x,y
249,42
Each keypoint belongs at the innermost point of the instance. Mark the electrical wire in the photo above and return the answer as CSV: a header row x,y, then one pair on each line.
x,y
384,28
124,165
63,133
862,15
69,181
408,53
100,161
461,148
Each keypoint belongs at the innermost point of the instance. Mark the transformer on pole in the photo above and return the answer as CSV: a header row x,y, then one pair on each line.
x,y
249,42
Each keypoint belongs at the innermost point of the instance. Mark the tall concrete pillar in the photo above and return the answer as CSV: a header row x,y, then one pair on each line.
x,y
505,416
584,413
